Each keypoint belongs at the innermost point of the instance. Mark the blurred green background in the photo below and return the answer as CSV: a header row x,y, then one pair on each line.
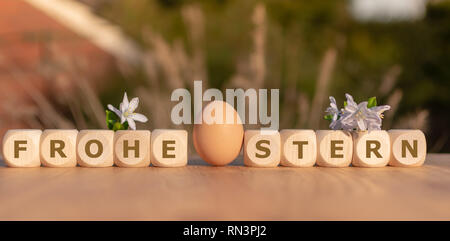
x,y
308,49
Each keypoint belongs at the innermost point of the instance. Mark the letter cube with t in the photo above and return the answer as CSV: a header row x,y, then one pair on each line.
x,y
169,148
59,148
132,148
21,148
408,148
335,148
95,148
298,148
262,149
371,148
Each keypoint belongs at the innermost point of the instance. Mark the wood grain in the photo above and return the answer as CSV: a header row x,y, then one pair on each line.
x,y
201,192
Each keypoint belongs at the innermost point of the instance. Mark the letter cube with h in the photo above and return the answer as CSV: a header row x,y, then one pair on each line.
x,y
132,148
21,148
169,148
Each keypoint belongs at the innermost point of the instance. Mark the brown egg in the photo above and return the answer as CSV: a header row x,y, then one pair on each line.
x,y
219,143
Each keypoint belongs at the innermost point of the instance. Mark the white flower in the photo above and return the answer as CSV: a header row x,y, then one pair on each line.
x,y
126,112
334,112
358,116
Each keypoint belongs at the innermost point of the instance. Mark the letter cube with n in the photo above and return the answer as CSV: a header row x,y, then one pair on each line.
x,y
335,148
408,148
169,148
371,148
132,148
21,148
262,149
298,148
95,148
58,148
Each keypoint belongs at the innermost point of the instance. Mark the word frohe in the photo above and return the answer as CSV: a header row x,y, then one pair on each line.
x,y
169,148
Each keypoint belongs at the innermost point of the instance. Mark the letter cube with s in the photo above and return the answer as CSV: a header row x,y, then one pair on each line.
x,y
95,148
408,148
58,148
262,149
169,148
132,148
335,148
21,148
371,148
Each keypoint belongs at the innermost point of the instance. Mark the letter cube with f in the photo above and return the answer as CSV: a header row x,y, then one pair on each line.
x,y
169,148
408,148
95,148
132,148
371,148
58,148
335,148
262,149
21,148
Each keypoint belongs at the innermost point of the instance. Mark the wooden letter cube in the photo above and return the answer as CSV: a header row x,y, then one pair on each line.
x,y
21,148
95,148
169,148
408,148
132,148
298,148
262,149
59,148
371,148
335,148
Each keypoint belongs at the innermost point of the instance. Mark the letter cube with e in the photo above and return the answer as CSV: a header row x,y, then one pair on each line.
x,y
169,148
262,149
21,148
408,148
371,148
298,148
335,148
132,148
58,148
95,148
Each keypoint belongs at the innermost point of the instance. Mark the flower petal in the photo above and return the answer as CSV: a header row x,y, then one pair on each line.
x,y
131,123
116,111
125,103
380,109
139,117
133,105
361,124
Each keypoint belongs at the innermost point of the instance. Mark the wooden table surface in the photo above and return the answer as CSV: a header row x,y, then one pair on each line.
x,y
200,192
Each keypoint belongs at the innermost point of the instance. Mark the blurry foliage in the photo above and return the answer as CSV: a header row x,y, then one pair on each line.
x,y
413,57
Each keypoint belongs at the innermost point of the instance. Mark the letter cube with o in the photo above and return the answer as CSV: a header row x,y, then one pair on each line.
x,y
95,148
298,148
169,148
21,148
371,148
58,148
335,148
262,149
408,148
132,148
